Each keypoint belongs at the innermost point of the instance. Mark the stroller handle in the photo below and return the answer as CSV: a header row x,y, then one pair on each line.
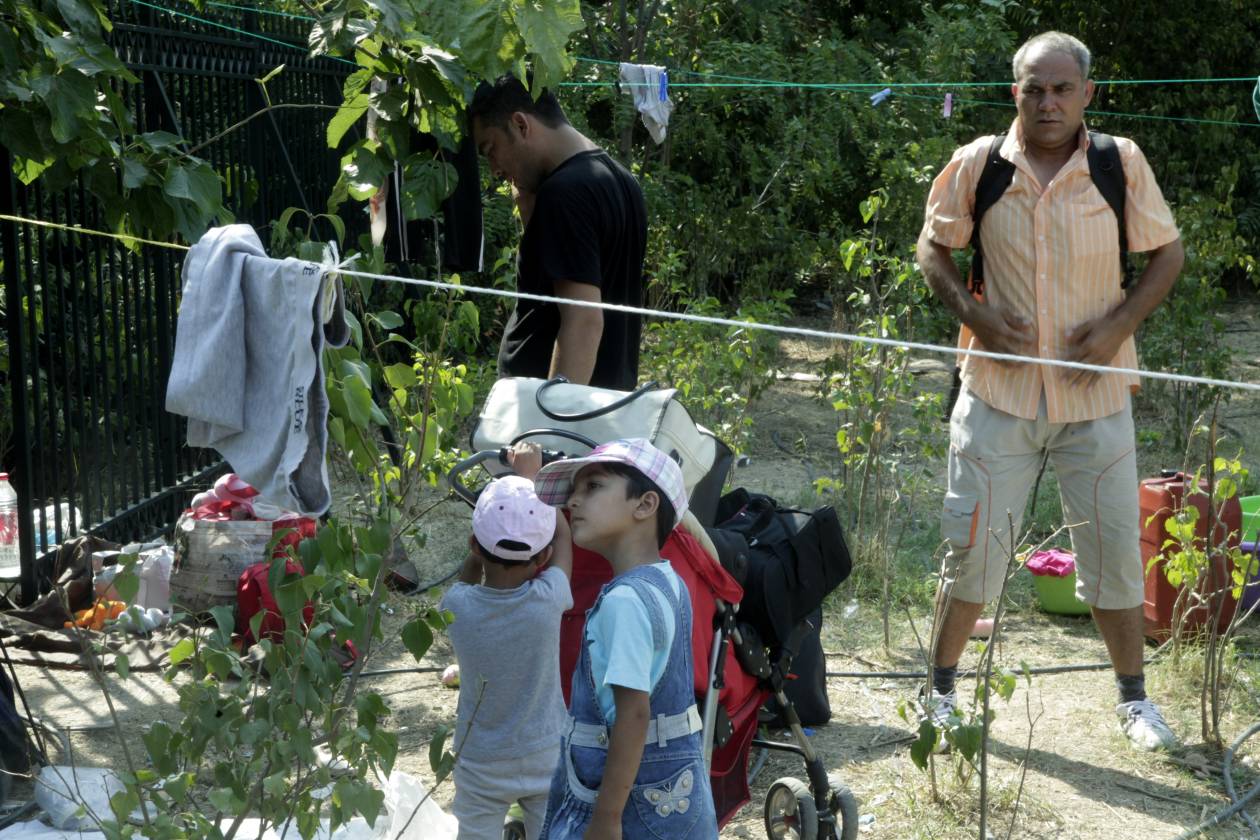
x,y
454,477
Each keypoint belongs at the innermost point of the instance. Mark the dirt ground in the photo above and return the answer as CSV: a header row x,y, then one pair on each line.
x,y
1081,779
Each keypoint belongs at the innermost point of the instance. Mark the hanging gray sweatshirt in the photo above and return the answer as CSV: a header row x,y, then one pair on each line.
x,y
248,371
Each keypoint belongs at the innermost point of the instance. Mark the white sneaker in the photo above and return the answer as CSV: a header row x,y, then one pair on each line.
x,y
1144,726
937,708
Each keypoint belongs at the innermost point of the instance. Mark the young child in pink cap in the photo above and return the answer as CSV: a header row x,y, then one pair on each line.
x,y
512,590
632,763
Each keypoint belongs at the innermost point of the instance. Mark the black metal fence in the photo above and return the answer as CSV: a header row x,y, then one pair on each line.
x,y
89,326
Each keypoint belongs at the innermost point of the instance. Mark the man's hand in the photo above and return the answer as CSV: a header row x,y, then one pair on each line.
x,y
524,203
1001,331
998,330
1095,342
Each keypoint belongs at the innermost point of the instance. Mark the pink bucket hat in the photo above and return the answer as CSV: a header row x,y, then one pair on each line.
x,y
554,482
509,509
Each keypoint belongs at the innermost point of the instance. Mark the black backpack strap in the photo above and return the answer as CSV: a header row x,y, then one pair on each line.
x,y
1107,172
994,179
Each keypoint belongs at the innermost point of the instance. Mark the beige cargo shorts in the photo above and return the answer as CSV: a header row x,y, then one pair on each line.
x,y
993,461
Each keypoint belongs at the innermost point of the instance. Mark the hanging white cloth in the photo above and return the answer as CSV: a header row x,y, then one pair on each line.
x,y
649,84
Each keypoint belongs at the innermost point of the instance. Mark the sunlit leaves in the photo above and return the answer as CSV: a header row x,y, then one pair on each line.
x,y
426,184
350,112
62,117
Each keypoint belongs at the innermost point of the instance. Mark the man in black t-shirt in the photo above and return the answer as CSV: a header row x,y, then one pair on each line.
x,y
585,235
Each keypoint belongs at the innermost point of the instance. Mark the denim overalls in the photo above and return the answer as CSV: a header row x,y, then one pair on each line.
x,y
671,798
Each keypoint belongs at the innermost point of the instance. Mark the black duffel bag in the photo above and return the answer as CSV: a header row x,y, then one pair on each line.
x,y
795,558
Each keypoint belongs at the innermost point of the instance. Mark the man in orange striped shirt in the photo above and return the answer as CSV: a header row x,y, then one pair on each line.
x,y
1052,291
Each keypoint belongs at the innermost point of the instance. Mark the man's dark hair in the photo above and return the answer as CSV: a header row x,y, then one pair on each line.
x,y
494,102
509,545
636,485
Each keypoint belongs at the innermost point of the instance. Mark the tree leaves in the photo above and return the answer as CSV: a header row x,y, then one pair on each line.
x,y
417,637
546,28
490,46
922,747
363,170
195,190
347,115
427,182
62,116
82,16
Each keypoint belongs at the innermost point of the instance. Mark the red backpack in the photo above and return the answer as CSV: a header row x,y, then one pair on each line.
x,y
253,596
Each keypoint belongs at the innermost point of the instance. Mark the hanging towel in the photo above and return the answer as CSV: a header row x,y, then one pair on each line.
x,y
647,82
248,371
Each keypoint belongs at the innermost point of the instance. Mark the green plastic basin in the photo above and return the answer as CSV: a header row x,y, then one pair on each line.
x,y
1058,595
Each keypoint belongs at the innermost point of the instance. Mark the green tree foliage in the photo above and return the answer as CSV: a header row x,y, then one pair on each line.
x,y
756,188
440,48
62,116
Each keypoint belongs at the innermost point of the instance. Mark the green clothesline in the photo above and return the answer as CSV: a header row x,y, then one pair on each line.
x,y
752,82
1089,112
261,11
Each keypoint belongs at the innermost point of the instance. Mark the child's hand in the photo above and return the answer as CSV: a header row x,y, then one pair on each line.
x,y
525,458
603,829
564,531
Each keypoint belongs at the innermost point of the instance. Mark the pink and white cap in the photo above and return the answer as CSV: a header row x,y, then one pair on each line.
x,y
509,509
554,482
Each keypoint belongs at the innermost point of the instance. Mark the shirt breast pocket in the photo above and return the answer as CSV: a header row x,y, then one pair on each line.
x,y
1092,231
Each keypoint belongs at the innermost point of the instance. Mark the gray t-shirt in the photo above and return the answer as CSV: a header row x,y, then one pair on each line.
x,y
511,639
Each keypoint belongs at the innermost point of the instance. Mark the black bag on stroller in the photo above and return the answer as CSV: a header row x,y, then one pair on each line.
x,y
788,561
795,559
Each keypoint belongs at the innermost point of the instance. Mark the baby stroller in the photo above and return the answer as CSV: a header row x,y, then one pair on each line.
x,y
735,672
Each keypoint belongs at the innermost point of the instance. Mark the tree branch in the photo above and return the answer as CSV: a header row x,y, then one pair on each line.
x,y
225,132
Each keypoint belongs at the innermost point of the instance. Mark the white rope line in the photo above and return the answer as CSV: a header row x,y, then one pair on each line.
x,y
801,331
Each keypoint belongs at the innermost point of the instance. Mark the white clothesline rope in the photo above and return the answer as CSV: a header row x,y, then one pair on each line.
x,y
800,331
333,265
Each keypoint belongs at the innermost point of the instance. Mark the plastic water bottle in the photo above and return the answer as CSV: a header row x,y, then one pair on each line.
x,y
10,557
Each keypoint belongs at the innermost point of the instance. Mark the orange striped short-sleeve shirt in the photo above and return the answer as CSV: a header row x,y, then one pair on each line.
x,y
1052,255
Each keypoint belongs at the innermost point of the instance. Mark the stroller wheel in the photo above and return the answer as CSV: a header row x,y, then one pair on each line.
x,y
844,805
790,813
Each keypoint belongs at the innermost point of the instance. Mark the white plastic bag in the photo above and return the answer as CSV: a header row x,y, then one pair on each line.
x,y
60,790
402,793
153,568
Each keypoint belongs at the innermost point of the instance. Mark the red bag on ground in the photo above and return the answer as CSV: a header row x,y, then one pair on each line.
x,y
253,596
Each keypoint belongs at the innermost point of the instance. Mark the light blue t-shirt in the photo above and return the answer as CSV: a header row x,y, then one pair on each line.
x,y
619,637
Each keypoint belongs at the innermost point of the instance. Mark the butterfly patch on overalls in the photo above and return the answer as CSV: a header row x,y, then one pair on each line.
x,y
669,800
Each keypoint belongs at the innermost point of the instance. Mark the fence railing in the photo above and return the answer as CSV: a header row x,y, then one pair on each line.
x,y
89,326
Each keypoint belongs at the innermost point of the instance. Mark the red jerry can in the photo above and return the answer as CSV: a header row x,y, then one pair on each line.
x,y
1158,499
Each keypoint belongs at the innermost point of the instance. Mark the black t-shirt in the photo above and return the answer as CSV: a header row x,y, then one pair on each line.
x,y
589,225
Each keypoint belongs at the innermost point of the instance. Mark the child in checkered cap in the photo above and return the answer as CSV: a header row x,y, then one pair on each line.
x,y
512,590
632,763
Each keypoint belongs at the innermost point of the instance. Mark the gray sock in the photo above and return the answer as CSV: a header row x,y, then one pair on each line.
x,y
943,678
1131,687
